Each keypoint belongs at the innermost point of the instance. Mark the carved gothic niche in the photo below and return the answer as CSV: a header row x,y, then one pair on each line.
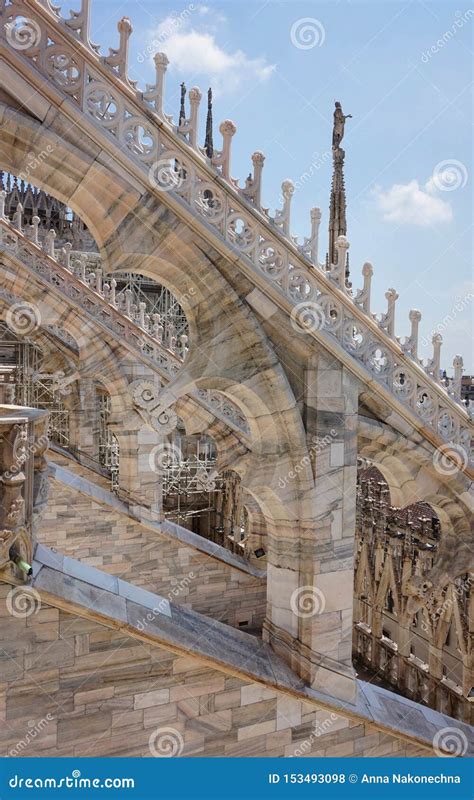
x,y
23,442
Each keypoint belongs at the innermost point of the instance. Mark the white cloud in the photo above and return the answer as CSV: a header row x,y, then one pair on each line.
x,y
411,204
196,52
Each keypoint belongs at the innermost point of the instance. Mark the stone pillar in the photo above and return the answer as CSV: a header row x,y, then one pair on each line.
x,y
23,487
310,598
84,418
142,456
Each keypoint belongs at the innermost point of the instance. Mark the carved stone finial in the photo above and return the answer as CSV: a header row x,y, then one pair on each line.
x,y
310,247
80,24
222,159
253,184
161,60
227,127
154,94
362,298
282,216
118,58
388,320
411,345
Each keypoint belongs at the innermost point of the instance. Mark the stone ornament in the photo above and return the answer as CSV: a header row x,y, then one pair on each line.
x,y
264,243
146,398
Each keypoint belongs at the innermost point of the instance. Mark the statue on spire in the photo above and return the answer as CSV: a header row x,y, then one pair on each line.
x,y
337,205
339,123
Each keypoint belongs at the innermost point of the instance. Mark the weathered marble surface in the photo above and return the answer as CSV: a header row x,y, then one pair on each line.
x,y
223,648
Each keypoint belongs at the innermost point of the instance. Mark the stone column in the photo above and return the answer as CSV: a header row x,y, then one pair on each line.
x,y
84,418
23,487
142,455
310,591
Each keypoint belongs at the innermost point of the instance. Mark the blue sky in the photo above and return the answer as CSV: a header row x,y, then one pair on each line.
x,y
403,70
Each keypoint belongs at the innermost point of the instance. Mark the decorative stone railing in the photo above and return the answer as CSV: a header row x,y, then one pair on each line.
x,y
94,297
171,163
23,487
222,407
87,290
73,274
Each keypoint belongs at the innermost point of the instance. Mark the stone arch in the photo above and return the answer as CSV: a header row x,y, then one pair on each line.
x,y
71,173
103,200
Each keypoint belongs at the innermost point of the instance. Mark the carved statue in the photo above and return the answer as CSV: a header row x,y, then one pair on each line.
x,y
338,128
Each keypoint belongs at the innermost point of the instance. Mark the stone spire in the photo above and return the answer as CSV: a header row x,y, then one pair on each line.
x,y
209,144
182,109
337,205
